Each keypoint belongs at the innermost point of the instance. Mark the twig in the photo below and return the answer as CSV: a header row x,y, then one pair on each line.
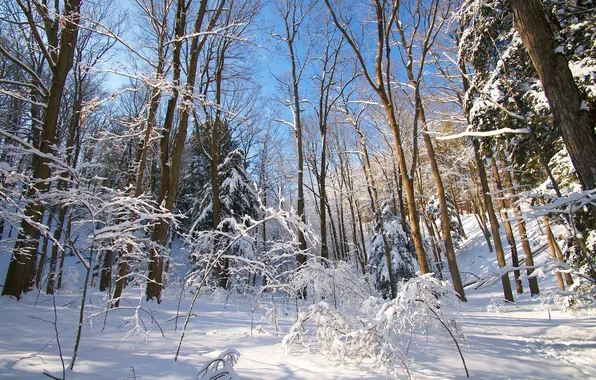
x,y
452,336
129,308
82,312
178,306
51,376
55,323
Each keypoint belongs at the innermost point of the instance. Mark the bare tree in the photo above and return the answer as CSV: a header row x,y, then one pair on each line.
x,y
385,19
158,14
293,13
428,22
60,27
170,162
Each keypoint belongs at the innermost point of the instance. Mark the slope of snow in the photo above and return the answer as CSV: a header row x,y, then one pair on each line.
x,y
509,341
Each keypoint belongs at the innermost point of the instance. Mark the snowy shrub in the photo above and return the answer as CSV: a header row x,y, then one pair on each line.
x,y
575,212
222,367
70,281
496,305
575,300
334,282
276,262
380,333
219,295
271,316
247,255
580,297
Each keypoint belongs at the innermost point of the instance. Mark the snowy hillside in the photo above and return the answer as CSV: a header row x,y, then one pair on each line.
x,y
521,341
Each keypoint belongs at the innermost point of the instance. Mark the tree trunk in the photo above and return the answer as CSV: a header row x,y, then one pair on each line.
x,y
160,231
171,164
25,250
140,173
576,127
63,255
556,252
521,227
551,245
323,193
340,242
508,229
334,232
436,251
359,255
400,195
215,200
478,214
445,223
299,149
361,231
458,210
494,224
105,278
44,251
55,247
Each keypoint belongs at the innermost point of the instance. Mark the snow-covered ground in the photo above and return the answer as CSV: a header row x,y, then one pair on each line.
x,y
521,341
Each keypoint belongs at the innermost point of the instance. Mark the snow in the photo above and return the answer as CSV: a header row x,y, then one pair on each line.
x,y
526,340
584,71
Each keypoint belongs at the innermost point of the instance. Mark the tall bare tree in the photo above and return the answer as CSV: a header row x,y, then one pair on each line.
x,y
428,20
294,13
205,22
158,15
385,19
57,39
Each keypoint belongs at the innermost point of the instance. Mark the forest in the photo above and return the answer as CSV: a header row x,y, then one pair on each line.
x,y
308,189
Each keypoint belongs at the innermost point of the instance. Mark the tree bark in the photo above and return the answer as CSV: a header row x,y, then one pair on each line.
x,y
142,155
105,279
299,147
44,250
160,231
444,212
59,275
376,209
420,114
556,252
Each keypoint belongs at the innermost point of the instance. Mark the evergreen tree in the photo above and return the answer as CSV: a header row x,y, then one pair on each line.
x,y
568,106
506,91
401,248
433,210
238,200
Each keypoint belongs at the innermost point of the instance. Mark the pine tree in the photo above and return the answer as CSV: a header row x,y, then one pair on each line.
x,y
238,199
400,246
433,209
